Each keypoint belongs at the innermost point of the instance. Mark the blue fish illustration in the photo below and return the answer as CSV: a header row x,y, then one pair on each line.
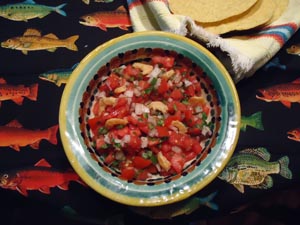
x,y
275,64
28,10
59,76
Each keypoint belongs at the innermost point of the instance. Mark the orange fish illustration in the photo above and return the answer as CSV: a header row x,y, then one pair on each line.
x,y
118,18
294,49
286,93
32,40
294,134
15,136
39,177
17,93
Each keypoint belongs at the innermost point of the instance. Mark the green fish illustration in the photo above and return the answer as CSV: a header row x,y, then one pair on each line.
x,y
184,207
59,76
252,167
28,10
254,120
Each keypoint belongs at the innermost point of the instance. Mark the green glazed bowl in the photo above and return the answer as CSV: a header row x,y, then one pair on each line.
x,y
77,97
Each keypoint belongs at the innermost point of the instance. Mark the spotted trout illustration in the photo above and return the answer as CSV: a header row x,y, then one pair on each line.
x,y
252,167
16,93
285,93
15,136
32,40
107,19
28,9
40,177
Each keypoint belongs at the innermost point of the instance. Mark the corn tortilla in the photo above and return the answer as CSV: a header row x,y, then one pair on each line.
x,y
257,15
280,7
205,11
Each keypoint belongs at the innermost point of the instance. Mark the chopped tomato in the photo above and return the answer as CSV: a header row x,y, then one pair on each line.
x,y
143,84
197,148
112,81
153,141
174,106
143,175
165,61
162,131
121,102
94,123
109,158
100,143
183,141
140,162
188,114
190,91
169,119
131,71
177,162
121,132
95,108
134,142
163,87
166,147
127,173
176,94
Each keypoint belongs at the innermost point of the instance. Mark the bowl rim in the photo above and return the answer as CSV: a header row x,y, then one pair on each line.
x,y
128,200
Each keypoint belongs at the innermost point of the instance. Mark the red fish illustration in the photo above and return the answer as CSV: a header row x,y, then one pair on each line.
x,y
118,18
294,134
15,136
17,93
39,177
286,93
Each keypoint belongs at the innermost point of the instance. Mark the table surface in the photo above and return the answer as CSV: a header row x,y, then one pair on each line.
x,y
80,204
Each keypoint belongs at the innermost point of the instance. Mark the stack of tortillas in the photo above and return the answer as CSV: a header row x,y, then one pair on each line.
x,y
220,17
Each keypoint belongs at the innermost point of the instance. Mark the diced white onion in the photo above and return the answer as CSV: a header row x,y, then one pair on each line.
x,y
137,92
103,78
128,93
176,149
187,82
126,138
157,83
101,94
153,133
106,139
140,109
144,143
206,130
198,109
119,155
154,73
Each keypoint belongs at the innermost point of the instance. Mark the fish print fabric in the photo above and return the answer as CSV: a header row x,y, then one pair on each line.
x,y
42,43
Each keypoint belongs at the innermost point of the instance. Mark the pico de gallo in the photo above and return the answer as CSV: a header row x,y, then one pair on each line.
x,y
150,118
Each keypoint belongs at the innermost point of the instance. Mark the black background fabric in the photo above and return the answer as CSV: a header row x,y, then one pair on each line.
x,y
278,205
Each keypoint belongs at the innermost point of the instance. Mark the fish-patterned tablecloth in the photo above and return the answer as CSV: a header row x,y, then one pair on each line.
x,y
41,44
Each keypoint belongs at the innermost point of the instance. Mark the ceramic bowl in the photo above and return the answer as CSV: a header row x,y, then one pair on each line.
x,y
80,92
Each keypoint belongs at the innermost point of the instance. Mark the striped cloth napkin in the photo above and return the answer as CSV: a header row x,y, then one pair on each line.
x,y
246,53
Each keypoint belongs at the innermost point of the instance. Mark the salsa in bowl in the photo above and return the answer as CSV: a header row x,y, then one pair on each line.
x,y
149,118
